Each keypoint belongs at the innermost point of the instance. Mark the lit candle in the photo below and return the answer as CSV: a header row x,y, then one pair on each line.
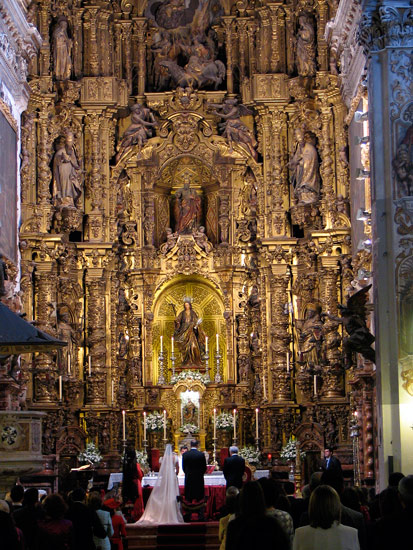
x,y
256,424
235,424
242,259
217,343
60,387
215,423
264,387
90,365
124,424
161,343
315,384
288,361
164,424
172,344
206,344
113,391
144,425
68,363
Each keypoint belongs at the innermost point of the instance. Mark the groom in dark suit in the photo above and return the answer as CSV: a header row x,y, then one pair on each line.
x,y
234,468
194,466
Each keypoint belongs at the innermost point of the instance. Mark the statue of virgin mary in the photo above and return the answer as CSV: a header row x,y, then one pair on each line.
x,y
189,336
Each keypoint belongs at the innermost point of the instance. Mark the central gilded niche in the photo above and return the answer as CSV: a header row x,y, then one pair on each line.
x,y
189,300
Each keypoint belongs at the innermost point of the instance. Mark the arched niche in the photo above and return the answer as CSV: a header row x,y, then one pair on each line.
x,y
200,176
207,303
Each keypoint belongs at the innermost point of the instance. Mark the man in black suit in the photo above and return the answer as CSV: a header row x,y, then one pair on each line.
x,y
234,468
331,462
194,467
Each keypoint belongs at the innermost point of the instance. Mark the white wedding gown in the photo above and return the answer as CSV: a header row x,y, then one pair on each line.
x,y
162,506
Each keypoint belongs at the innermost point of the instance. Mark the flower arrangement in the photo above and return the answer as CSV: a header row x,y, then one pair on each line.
x,y
289,451
192,374
250,455
142,458
91,454
154,422
225,421
189,429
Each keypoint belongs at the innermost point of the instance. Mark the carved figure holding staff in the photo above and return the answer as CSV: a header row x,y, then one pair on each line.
x,y
189,336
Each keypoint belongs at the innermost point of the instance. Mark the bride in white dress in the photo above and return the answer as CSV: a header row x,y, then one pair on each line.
x,y
162,506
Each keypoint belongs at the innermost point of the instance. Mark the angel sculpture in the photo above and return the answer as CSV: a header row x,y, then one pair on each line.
x,y
232,128
353,317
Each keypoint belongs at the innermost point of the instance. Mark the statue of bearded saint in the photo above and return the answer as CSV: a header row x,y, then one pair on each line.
x,y
187,209
190,337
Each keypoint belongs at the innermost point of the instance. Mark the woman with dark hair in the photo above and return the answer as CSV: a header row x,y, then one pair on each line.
x,y
9,536
131,485
325,530
55,532
95,504
271,491
253,528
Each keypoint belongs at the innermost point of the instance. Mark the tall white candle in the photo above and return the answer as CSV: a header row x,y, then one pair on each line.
x,y
161,343
288,361
315,384
264,386
60,388
144,425
124,424
215,423
164,424
69,366
172,344
217,343
206,343
90,365
235,424
113,392
256,424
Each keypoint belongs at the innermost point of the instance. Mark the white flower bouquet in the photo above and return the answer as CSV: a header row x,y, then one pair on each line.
x,y
90,455
142,458
225,421
289,451
250,455
189,429
190,374
154,422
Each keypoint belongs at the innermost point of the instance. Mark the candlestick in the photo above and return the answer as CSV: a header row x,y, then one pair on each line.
x,y
60,388
69,366
164,424
124,425
288,361
172,344
315,384
235,425
215,423
144,425
90,365
256,423
161,343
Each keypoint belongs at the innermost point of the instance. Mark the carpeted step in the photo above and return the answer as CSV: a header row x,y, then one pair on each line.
x,y
187,536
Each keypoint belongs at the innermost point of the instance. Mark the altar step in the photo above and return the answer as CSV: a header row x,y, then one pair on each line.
x,y
189,536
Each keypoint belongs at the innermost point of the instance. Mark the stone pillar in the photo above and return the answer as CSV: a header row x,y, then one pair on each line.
x,y
387,34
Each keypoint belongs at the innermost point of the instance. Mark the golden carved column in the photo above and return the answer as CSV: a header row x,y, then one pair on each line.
x,y
322,47
252,56
140,29
44,22
126,40
77,42
118,51
96,337
92,59
242,45
94,177
228,21
275,42
289,32
45,376
279,185
264,51
327,168
280,337
333,373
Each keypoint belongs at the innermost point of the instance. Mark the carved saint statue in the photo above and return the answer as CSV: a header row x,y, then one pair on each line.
x,y
187,209
232,128
139,130
306,51
189,336
62,46
67,186
305,169
310,335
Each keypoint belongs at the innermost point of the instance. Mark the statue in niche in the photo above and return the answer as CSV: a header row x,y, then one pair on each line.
x,y
305,168
403,165
306,50
62,49
187,209
67,171
139,130
123,346
232,128
189,336
190,413
310,336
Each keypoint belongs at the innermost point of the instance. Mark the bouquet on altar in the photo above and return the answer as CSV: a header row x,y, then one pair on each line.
x,y
189,429
250,455
142,459
90,455
154,422
225,421
289,451
190,374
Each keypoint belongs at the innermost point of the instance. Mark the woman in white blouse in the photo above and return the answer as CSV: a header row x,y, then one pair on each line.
x,y
325,530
